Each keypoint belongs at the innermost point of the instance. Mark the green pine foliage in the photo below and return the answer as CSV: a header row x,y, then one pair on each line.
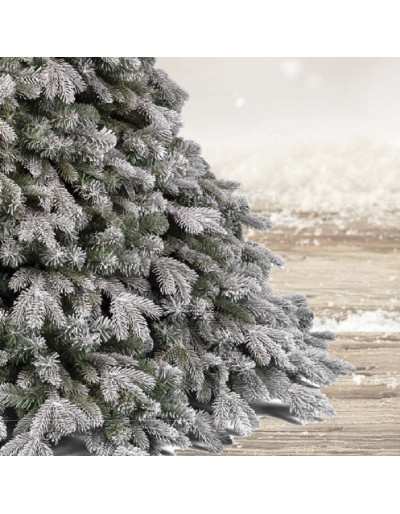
x,y
133,312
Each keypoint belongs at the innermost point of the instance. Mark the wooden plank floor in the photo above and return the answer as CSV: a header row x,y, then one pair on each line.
x,y
342,272
367,420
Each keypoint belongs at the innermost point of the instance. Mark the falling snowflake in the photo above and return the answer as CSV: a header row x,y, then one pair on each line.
x,y
239,102
291,69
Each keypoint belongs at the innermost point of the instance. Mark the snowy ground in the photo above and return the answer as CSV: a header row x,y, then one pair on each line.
x,y
368,321
339,183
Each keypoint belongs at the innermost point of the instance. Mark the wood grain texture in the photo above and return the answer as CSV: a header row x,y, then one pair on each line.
x,y
367,420
340,273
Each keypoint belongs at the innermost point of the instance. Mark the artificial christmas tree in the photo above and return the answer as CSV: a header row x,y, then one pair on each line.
x,y
133,311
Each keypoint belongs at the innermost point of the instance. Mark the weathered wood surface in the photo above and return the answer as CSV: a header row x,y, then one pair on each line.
x,y
341,272
367,420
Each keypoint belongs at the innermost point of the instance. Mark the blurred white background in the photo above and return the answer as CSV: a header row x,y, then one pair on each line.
x,y
310,134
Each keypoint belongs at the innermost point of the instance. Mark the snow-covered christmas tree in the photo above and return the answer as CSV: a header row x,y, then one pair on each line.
x,y
133,312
